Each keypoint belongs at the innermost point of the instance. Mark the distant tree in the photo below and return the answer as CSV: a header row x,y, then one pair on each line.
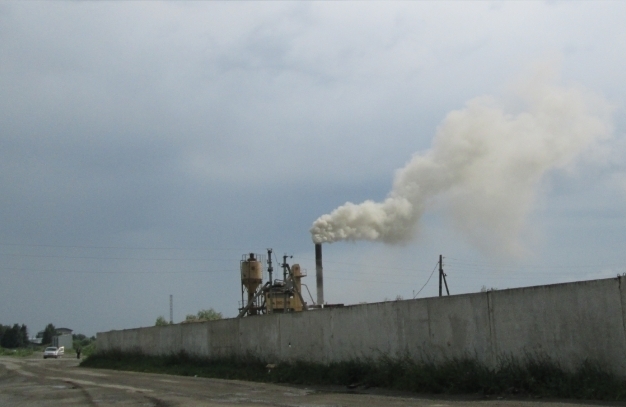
x,y
161,321
484,289
204,315
9,338
209,314
23,336
48,333
81,341
14,337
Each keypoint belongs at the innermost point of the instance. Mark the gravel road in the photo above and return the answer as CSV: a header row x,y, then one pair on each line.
x,y
35,382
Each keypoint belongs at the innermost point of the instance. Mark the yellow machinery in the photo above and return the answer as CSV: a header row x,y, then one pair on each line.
x,y
275,295
286,297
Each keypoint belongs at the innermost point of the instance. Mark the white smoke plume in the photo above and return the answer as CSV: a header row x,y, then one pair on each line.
x,y
483,168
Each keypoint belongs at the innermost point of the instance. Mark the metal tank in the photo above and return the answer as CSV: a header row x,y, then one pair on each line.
x,y
251,277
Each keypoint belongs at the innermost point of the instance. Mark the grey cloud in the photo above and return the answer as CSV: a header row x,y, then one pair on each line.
x,y
234,125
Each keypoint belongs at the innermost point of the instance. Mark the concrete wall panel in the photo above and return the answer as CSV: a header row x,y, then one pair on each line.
x,y
130,339
169,339
223,338
195,338
260,336
414,329
569,322
448,327
305,337
149,339
362,331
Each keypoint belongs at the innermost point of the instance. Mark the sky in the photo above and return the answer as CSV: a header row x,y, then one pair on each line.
x,y
145,147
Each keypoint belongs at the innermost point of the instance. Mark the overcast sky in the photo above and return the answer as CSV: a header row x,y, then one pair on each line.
x,y
145,147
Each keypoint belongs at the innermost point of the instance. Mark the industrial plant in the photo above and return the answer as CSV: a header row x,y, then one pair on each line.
x,y
277,295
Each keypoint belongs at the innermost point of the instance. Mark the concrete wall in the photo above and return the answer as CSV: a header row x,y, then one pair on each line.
x,y
569,322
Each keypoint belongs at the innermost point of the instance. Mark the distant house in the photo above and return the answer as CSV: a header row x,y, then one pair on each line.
x,y
63,338
37,339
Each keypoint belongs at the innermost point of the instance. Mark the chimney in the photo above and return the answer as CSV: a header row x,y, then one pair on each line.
x,y
319,273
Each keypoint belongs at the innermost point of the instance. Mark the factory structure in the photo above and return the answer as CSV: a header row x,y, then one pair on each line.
x,y
277,295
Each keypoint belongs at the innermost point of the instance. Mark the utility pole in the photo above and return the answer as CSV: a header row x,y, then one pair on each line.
x,y
171,309
442,277
440,273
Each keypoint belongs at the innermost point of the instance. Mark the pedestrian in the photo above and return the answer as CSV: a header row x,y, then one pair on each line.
x,y
78,352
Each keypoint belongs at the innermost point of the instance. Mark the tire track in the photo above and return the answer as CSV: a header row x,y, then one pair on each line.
x,y
88,398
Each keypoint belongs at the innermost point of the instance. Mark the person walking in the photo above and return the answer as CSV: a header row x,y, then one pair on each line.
x,y
78,352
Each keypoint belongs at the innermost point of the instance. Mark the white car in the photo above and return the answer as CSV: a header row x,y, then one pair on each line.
x,y
53,352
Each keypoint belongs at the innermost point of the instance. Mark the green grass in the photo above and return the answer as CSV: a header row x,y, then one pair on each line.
x,y
89,349
528,377
19,352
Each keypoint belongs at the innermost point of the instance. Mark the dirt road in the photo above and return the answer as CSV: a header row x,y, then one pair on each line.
x,y
36,382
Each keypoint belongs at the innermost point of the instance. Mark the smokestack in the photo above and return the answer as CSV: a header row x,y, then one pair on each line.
x,y
319,273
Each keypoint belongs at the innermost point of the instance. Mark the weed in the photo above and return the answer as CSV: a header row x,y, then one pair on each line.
x,y
19,352
532,376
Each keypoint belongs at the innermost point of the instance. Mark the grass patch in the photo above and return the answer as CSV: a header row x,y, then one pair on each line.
x,y
530,376
88,350
18,352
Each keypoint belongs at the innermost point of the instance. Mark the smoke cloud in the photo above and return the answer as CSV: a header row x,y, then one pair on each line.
x,y
483,167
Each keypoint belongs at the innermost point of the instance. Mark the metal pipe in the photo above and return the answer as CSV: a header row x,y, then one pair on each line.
x,y
309,291
270,269
245,309
319,274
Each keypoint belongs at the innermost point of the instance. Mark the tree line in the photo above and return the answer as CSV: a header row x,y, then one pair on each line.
x,y
202,315
16,336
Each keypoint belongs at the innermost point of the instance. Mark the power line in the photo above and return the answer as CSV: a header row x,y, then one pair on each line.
x,y
119,247
429,277
362,264
108,258
367,281
476,264
113,272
